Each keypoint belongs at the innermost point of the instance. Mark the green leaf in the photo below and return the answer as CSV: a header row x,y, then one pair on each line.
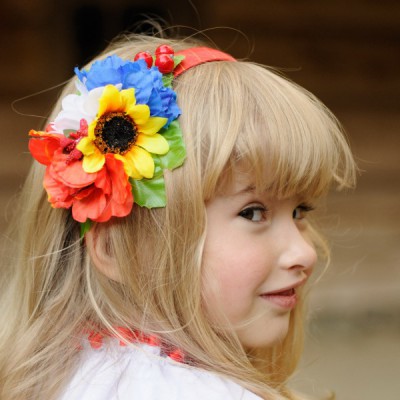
x,y
177,152
149,193
158,170
85,227
177,60
167,79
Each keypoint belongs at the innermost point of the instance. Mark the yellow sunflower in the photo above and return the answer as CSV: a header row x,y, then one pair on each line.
x,y
126,130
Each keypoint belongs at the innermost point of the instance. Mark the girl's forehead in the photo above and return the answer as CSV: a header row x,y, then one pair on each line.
x,y
234,181
244,182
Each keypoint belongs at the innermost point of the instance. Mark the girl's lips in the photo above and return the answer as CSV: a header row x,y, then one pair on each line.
x,y
287,288
286,299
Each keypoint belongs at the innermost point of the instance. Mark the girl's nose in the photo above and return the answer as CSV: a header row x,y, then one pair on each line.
x,y
297,252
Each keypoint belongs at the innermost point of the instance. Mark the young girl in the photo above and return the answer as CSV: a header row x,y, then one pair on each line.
x,y
162,242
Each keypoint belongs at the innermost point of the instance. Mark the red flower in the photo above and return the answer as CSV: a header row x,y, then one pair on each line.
x,y
96,196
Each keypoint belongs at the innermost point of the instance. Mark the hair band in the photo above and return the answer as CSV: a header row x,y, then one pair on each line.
x,y
199,55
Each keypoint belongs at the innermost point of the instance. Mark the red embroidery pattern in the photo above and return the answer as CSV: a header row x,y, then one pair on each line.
x,y
96,341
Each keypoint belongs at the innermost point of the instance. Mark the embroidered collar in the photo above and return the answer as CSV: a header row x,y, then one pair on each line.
x,y
126,335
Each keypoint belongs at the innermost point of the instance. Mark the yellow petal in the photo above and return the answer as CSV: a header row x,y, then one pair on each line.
x,y
91,127
129,166
140,113
142,161
156,143
86,146
153,125
110,100
128,97
93,162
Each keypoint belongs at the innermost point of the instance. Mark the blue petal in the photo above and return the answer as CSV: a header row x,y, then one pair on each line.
x,y
155,104
171,109
103,72
142,83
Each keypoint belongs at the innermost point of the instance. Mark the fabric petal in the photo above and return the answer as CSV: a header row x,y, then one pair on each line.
x,y
59,195
93,162
89,207
110,100
106,214
118,178
48,134
140,113
91,104
142,161
119,201
122,209
156,144
86,145
81,194
128,98
43,149
93,158
153,125
90,137
103,181
129,166
71,174
102,72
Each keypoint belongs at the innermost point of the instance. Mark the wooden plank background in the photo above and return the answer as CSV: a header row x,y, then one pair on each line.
x,y
348,54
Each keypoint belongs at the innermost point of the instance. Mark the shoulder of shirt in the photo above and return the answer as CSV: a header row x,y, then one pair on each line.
x,y
139,372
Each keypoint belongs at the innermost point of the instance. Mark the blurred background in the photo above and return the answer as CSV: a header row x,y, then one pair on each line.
x,y
345,52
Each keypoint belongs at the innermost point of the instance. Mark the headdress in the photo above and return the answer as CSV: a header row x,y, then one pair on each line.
x,y
110,143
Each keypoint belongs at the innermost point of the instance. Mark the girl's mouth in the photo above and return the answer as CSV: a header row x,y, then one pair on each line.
x,y
286,299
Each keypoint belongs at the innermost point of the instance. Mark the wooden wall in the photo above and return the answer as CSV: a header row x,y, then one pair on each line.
x,y
345,51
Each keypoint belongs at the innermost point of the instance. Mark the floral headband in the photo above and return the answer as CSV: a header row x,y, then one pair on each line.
x,y
109,145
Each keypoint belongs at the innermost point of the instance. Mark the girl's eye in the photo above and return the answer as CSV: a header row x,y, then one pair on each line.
x,y
300,211
254,214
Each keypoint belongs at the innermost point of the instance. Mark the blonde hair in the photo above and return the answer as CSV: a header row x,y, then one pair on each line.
x,y
232,113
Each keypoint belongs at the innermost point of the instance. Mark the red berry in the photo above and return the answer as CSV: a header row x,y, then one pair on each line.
x,y
165,63
146,56
164,49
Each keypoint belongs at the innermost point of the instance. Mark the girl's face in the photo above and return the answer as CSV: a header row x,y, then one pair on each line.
x,y
257,256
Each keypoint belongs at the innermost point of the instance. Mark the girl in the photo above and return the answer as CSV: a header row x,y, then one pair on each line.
x,y
172,261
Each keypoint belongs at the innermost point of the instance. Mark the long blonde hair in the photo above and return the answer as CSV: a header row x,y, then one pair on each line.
x,y
232,112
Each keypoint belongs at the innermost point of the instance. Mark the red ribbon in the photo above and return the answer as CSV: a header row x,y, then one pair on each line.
x,y
199,55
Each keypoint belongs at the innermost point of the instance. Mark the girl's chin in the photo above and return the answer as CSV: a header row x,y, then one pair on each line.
x,y
265,337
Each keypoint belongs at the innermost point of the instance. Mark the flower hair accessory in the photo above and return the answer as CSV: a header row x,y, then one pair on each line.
x,y
110,143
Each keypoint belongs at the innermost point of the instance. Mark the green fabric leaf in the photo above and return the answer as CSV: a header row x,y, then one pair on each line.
x,y
177,60
177,152
85,227
158,170
167,80
149,193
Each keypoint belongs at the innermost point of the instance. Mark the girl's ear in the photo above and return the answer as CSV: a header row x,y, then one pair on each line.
x,y
100,252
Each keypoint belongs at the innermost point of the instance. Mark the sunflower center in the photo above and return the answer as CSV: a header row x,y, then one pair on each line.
x,y
115,132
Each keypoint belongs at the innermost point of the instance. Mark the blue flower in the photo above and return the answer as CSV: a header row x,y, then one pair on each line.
x,y
148,84
169,105
103,72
